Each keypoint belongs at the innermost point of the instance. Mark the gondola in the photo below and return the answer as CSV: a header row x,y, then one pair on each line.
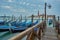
x,y
23,26
6,27
2,22
50,21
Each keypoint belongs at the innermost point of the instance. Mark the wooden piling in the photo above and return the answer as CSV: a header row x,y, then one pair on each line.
x,y
42,18
54,18
25,19
32,18
58,18
21,19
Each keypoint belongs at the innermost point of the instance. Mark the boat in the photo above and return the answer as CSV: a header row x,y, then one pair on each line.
x,y
4,28
23,26
17,23
50,21
2,22
7,27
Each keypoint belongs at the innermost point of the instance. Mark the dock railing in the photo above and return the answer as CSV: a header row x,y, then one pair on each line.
x,y
57,27
32,33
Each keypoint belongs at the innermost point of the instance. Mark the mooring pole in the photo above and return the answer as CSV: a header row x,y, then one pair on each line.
x,y
25,19
42,18
12,18
54,18
4,17
58,18
58,26
32,19
38,15
21,19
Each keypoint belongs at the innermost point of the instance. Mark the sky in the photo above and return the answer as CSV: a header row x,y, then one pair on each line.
x,y
28,7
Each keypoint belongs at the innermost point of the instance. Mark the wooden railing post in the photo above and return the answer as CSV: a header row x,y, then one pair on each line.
x,y
43,27
31,36
40,33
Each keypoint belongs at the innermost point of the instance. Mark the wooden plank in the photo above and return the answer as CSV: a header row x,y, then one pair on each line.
x,y
50,34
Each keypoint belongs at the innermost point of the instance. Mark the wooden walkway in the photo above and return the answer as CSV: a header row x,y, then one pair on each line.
x,y
50,34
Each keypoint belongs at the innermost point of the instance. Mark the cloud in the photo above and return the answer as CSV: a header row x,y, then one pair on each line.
x,y
27,3
20,2
19,10
10,0
7,7
39,5
24,2
35,10
57,0
33,5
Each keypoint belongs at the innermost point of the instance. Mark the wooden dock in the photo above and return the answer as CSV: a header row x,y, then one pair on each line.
x,y
50,34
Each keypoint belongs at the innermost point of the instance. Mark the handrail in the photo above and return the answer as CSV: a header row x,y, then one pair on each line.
x,y
57,26
24,33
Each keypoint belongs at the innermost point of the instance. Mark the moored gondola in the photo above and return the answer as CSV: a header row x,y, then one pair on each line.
x,y
23,26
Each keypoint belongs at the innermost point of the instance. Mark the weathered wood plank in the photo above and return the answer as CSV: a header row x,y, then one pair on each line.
x,y
50,34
